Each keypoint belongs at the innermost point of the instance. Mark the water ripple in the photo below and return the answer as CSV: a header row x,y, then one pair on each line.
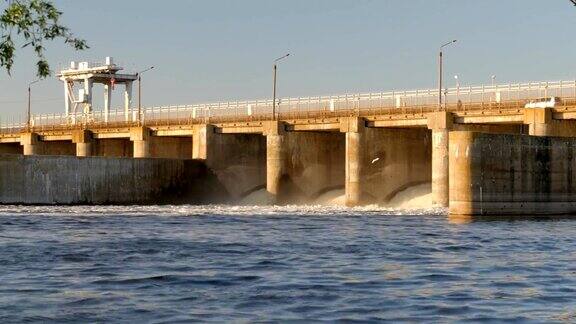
x,y
170,264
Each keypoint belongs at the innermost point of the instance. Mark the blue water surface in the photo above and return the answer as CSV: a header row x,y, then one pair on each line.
x,y
280,264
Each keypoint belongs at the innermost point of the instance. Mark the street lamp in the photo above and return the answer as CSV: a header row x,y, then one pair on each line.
x,y
140,94
28,113
274,86
457,87
493,77
440,72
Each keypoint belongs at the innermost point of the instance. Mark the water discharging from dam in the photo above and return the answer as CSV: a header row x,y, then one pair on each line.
x,y
419,196
259,197
414,197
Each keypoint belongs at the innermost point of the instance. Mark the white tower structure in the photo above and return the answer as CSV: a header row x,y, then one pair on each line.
x,y
85,74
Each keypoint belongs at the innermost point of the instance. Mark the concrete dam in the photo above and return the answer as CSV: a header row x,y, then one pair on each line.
x,y
486,150
370,163
292,166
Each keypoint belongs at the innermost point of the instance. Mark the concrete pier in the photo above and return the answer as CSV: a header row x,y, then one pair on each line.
x,y
440,124
354,129
539,121
275,133
84,149
440,167
201,141
140,137
141,149
30,144
83,140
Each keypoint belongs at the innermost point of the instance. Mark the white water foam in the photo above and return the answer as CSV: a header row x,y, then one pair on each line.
x,y
332,198
207,210
415,197
258,198
412,201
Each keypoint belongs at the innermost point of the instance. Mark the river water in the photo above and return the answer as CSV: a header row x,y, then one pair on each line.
x,y
244,264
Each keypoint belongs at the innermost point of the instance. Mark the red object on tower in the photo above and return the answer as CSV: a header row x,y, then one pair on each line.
x,y
112,82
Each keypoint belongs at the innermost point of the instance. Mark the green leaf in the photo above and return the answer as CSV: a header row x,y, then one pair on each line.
x,y
34,22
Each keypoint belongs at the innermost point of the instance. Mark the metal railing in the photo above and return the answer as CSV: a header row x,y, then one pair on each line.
x,y
457,98
88,65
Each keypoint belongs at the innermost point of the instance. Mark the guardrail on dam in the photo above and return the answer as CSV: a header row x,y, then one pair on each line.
x,y
370,145
392,102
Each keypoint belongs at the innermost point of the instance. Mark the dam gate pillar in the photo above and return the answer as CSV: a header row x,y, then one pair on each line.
x,y
140,137
354,128
84,142
539,121
440,124
31,144
275,133
202,136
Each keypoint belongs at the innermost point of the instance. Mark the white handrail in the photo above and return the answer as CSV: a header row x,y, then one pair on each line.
x,y
355,101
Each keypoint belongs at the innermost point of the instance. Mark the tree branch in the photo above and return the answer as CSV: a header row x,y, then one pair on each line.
x,y
33,21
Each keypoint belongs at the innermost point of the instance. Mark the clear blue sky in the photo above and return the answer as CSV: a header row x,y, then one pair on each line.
x,y
218,50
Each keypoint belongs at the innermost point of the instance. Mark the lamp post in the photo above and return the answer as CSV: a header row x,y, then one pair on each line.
x,y
440,72
140,94
493,78
457,87
29,112
274,86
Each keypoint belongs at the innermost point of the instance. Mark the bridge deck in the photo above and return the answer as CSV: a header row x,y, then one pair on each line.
x,y
495,104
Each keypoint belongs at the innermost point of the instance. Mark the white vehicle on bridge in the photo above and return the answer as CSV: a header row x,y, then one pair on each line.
x,y
549,102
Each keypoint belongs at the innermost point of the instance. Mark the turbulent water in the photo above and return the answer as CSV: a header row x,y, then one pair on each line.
x,y
246,264
414,197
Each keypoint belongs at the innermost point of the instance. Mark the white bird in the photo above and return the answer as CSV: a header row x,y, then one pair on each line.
x,y
376,159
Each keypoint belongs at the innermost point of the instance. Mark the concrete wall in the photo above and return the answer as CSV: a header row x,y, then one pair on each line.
x,y
171,147
404,159
11,148
494,128
97,180
113,147
494,174
57,148
313,164
239,162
